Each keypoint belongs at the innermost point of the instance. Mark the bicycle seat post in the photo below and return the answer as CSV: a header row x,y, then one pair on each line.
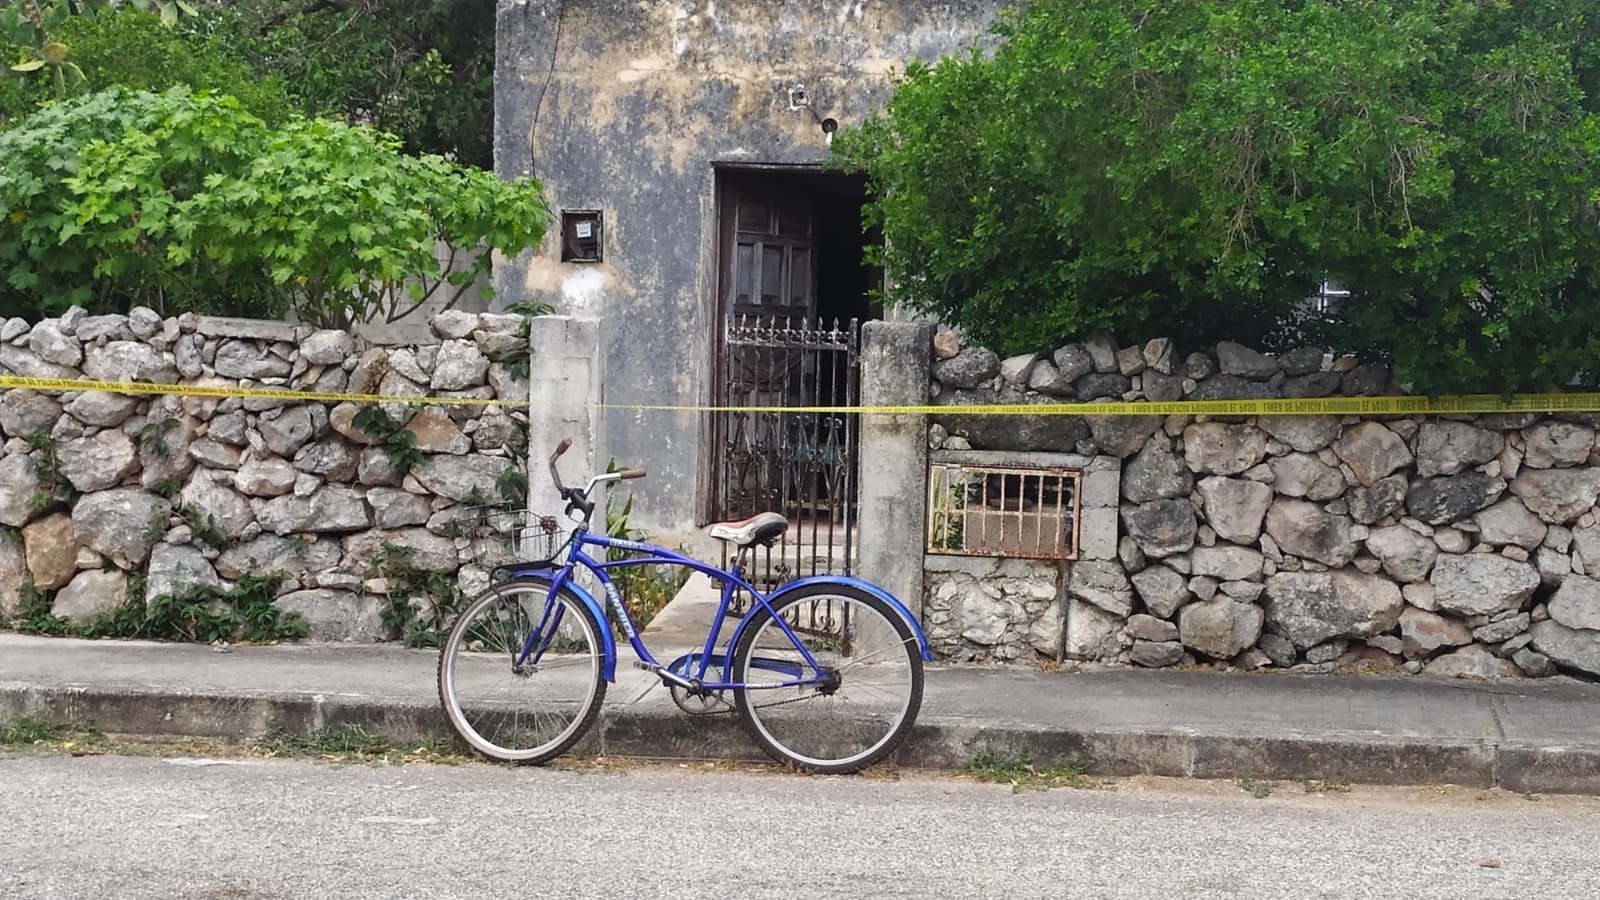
x,y
738,562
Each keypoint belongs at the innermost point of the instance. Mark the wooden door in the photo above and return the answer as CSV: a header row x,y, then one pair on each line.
x,y
772,256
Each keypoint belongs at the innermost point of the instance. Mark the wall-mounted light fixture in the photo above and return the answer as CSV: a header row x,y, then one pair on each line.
x,y
799,99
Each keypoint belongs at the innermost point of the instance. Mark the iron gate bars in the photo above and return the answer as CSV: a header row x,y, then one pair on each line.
x,y
782,448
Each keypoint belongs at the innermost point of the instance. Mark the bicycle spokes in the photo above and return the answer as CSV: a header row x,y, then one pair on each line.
x,y
516,692
854,705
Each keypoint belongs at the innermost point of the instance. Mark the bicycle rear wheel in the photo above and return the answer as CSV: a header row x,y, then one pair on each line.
x,y
870,692
515,706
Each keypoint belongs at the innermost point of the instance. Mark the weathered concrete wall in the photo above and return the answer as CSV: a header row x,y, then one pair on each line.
x,y
564,364
627,107
893,457
1442,544
102,491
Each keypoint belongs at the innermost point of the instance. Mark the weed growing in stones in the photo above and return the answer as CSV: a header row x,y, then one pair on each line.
x,y
34,614
156,529
399,444
203,527
153,437
419,603
244,613
512,486
54,487
519,361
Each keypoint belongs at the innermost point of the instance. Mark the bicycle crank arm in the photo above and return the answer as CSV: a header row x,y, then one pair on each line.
x,y
661,672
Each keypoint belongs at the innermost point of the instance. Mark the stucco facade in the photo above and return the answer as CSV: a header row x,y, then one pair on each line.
x,y
644,111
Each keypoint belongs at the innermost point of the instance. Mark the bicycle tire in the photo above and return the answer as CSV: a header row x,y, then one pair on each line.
x,y
480,654
815,728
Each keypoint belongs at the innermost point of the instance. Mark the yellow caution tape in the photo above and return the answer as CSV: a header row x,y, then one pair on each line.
x,y
1314,406
200,390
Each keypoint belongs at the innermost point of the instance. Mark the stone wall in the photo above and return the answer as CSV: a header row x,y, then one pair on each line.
x,y
1439,544
101,487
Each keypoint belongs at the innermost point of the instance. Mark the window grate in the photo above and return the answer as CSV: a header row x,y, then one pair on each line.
x,y
1014,511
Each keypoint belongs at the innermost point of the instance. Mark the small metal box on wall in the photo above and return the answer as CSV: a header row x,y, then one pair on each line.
x,y
581,235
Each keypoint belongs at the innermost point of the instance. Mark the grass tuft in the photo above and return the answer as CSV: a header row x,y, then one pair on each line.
x,y
1005,765
351,743
27,730
1260,790
1326,786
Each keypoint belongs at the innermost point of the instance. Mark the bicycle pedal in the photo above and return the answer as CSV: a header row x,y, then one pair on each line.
x,y
643,666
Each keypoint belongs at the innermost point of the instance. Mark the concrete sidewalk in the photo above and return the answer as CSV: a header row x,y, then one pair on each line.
x,y
1526,736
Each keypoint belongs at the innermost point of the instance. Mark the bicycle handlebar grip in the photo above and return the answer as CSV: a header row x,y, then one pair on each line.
x,y
555,472
634,473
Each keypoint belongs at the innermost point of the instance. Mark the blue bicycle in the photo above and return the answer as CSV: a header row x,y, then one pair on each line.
x,y
824,672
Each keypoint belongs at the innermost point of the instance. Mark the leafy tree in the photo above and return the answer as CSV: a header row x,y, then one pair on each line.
x,y
26,47
135,49
1143,168
420,69
187,201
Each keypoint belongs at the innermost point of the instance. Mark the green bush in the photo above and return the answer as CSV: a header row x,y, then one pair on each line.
x,y
188,201
1146,168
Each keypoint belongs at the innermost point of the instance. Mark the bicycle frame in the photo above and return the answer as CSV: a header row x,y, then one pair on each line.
x,y
690,670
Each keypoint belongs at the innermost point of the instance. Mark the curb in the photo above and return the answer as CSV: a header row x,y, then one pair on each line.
x,y
660,731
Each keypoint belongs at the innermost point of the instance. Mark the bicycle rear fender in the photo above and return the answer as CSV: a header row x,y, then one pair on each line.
x,y
869,587
608,666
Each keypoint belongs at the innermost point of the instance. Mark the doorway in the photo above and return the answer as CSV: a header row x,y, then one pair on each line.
x,y
793,286
790,243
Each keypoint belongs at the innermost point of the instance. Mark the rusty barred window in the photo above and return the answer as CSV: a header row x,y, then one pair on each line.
x,y
1018,511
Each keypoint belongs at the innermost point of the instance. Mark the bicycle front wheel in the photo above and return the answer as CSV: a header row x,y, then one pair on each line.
x,y
864,700
520,673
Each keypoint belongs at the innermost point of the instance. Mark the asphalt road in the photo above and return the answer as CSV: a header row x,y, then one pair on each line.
x,y
129,827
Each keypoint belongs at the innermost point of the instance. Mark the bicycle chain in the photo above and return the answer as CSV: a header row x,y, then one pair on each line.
x,y
731,709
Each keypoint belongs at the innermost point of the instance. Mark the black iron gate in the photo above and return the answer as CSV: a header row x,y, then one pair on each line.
x,y
783,447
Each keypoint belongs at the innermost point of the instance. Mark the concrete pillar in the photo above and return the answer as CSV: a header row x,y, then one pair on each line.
x,y
896,368
565,379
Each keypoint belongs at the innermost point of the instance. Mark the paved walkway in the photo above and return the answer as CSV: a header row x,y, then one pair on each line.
x,y
1525,735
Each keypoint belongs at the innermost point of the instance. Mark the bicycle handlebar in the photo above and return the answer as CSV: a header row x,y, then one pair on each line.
x,y
555,474
578,498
